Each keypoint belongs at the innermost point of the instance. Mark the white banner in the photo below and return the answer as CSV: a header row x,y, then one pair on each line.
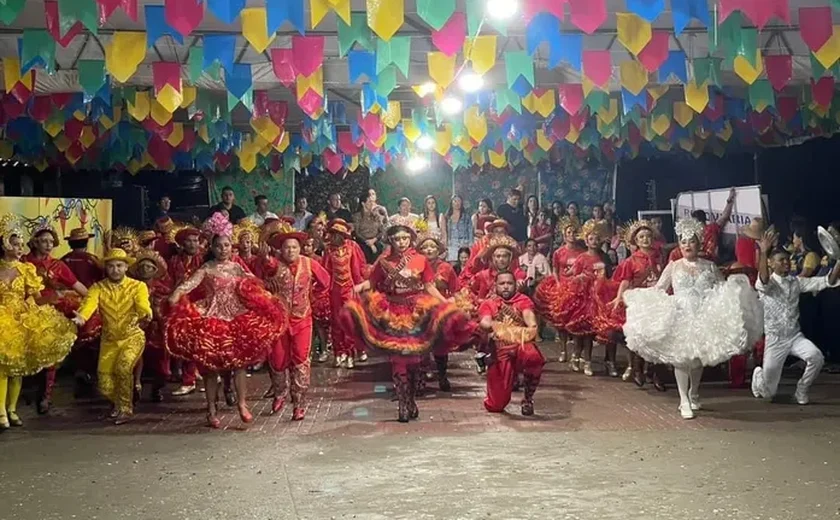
x,y
749,204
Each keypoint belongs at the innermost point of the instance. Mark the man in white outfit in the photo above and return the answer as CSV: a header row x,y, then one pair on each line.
x,y
779,292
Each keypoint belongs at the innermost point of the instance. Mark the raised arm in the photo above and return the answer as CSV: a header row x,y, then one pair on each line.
x,y
727,211
765,245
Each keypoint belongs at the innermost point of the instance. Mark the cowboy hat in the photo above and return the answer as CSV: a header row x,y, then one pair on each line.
x,y
505,242
78,234
278,239
184,233
339,226
146,236
755,229
118,255
148,255
499,222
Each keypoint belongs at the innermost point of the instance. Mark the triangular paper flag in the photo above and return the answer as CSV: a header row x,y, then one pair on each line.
x,y
481,52
633,32
385,17
441,68
124,54
255,28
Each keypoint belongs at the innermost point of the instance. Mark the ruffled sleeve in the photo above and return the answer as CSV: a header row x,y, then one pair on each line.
x,y
33,284
664,282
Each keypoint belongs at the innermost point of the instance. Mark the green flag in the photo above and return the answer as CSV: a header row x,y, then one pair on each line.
x,y
386,81
72,11
727,35
507,98
475,16
518,63
9,10
91,75
596,100
195,64
761,94
748,46
435,12
37,43
397,51
357,32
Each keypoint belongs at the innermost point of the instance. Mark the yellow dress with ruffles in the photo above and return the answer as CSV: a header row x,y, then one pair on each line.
x,y
34,336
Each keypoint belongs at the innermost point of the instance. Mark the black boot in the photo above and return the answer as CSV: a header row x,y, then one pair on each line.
x,y
530,387
401,385
414,375
443,382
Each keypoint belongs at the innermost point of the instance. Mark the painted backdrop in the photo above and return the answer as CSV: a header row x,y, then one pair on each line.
x,y
277,187
63,215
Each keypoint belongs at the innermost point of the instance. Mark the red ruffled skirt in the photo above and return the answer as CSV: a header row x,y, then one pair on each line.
x,y
555,300
321,307
68,304
219,345
608,323
406,325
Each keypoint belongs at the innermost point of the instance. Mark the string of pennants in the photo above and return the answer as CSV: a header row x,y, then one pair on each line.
x,y
664,100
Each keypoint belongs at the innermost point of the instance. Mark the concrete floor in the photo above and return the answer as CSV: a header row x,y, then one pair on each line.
x,y
597,449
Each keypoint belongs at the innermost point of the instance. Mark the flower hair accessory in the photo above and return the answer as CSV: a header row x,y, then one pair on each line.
x,y
688,228
218,225
10,225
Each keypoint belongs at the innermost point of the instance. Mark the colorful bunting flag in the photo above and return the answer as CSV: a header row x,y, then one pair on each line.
x,y
124,54
441,68
587,15
385,17
319,9
255,28
450,38
481,52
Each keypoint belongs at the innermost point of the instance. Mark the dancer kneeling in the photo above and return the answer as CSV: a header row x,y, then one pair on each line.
x,y
233,327
404,315
705,322
509,315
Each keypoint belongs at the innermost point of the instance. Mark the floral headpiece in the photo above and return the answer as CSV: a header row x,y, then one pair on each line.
x,y
504,242
218,225
634,227
115,237
688,228
423,235
565,223
10,225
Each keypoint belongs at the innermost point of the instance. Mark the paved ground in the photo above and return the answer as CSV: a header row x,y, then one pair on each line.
x,y
598,448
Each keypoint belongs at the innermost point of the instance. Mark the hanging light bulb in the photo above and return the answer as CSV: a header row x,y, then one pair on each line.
x,y
502,9
424,142
470,82
451,105
417,164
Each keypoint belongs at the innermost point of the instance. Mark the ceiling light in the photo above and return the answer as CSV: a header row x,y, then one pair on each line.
x,y
424,142
502,9
417,163
451,105
470,82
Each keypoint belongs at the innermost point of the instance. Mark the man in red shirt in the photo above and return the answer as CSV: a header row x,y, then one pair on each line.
x,y
59,285
293,280
477,261
181,267
509,317
711,232
499,255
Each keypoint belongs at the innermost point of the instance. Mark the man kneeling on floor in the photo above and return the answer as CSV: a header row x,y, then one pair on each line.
x,y
779,292
509,316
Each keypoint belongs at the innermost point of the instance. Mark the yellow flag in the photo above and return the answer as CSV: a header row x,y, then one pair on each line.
x,y
203,133
255,28
53,127
647,132
62,143
177,135
441,68
139,110
634,32
725,133
634,77
88,137
697,97
319,9
498,160
283,143
411,132
746,71
466,144
573,135
546,103
247,160
109,122
829,53
391,117
687,144
657,91
79,115
354,163
169,98
314,82
477,157
609,112
7,150
481,52
683,114
124,54
660,124
529,102
133,166
40,164
543,141
160,115
385,17
476,124
188,93
443,140
266,128
11,73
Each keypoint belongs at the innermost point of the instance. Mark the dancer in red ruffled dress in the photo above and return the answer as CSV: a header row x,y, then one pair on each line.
x,y
234,326
548,293
640,269
63,291
446,282
588,284
292,278
405,315
180,267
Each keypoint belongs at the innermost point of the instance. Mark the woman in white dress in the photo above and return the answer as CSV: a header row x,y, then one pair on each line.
x,y
705,322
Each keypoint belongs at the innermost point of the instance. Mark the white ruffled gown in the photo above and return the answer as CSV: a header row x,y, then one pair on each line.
x,y
705,322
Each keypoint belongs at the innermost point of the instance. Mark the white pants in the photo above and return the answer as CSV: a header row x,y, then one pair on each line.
x,y
688,383
774,359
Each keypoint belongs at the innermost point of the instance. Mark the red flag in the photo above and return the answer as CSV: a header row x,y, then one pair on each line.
x,y
759,11
54,26
571,97
656,51
332,161
307,54
815,26
597,66
283,66
823,90
183,15
166,73
779,70
787,107
532,7
587,15
107,8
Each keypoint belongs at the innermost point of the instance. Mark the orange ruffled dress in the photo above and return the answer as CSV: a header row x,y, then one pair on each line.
x,y
234,326
398,317
553,294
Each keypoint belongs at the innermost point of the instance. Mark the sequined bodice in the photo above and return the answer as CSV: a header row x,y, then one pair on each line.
x,y
221,282
690,279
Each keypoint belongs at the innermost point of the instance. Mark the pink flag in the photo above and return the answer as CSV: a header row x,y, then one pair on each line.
x,y
283,66
107,7
307,54
450,38
787,107
332,161
656,51
597,66
166,73
779,70
823,90
184,15
532,7
571,97
587,15
815,26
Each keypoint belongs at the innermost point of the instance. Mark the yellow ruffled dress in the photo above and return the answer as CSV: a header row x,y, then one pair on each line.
x,y
34,336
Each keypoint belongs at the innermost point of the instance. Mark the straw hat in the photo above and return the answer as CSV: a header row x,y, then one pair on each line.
x,y
118,255
505,242
185,232
755,229
424,236
497,223
340,226
148,255
634,227
78,234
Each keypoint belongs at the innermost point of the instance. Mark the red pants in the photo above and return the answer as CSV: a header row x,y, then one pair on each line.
x,y
292,353
342,342
738,366
509,361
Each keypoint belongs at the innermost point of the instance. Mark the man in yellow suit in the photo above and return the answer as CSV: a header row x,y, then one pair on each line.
x,y
124,306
